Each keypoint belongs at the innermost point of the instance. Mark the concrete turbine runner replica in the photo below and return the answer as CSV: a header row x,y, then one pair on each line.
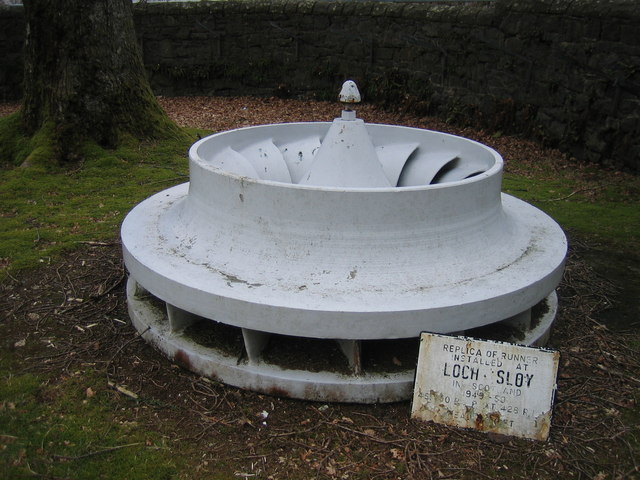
x,y
305,259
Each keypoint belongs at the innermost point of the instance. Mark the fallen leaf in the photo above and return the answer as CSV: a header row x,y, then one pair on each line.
x,y
397,454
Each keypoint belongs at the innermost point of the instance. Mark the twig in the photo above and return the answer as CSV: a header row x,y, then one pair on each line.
x,y
98,452
108,290
8,272
288,434
97,244
370,437
434,454
70,351
573,193
181,177
15,309
123,390
136,336
476,473
42,475
617,373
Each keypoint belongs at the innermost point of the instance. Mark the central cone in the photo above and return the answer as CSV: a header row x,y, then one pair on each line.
x,y
347,158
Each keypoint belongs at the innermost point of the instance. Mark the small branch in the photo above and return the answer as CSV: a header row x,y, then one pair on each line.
x,y
41,475
181,177
110,289
98,452
288,434
121,347
476,473
559,199
617,373
370,437
123,390
98,244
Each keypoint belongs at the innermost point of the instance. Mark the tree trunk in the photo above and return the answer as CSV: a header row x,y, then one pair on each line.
x,y
84,76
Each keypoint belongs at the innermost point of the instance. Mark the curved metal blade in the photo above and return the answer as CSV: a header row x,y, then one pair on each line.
x,y
422,167
393,158
459,171
299,154
231,161
268,161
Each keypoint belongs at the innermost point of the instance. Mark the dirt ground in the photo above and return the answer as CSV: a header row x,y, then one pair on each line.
x,y
70,316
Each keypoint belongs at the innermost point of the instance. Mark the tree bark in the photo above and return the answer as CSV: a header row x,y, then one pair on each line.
x,y
84,75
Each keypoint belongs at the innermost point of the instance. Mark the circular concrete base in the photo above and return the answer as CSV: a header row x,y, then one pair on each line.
x,y
149,317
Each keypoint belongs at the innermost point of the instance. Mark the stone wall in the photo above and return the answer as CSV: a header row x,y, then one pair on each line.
x,y
561,71
11,40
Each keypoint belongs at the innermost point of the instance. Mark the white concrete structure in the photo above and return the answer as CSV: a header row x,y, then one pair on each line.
x,y
359,233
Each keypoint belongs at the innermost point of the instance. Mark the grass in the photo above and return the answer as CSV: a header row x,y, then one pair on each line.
x,y
605,212
67,427
47,210
69,430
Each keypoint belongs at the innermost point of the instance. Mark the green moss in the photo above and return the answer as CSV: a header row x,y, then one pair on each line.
x,y
147,121
18,149
47,209
54,145
608,213
13,143
68,430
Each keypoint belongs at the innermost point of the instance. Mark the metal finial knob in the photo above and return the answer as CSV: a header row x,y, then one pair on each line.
x,y
349,95
349,92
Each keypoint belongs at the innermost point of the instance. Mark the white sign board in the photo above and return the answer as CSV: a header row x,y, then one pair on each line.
x,y
488,386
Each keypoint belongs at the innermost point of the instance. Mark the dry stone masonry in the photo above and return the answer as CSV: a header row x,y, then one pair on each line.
x,y
564,72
